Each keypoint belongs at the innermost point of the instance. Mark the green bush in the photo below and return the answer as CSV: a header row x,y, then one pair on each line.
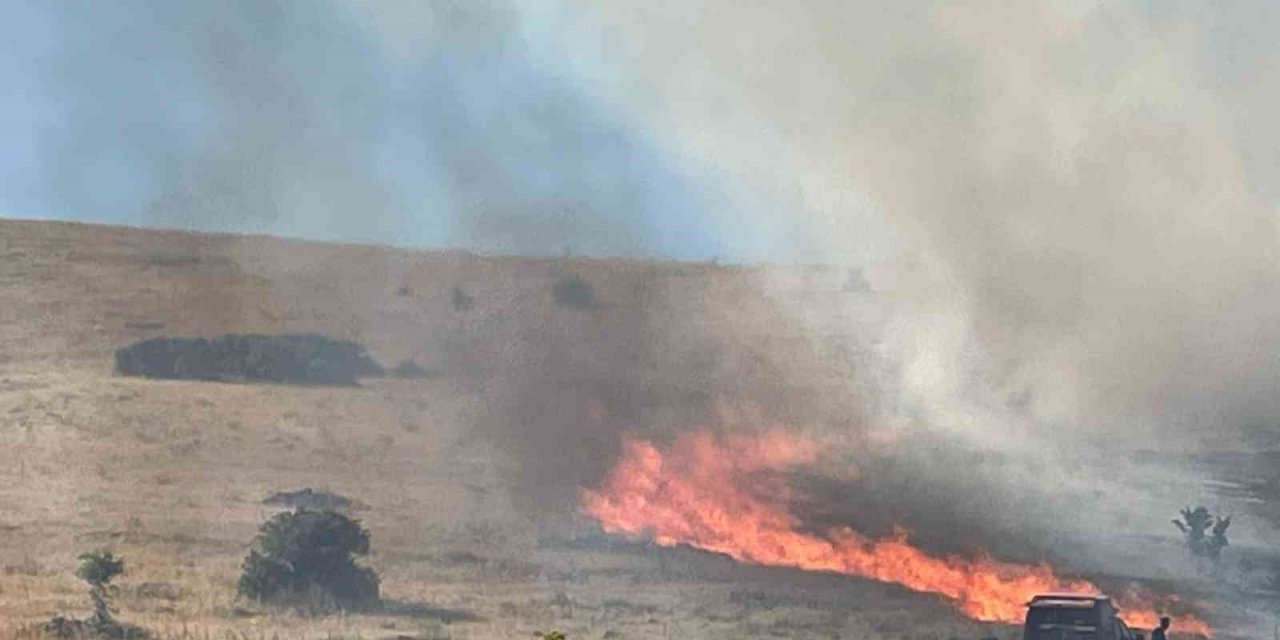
x,y
99,567
306,559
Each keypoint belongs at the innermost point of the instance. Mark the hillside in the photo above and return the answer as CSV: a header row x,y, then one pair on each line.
x,y
470,475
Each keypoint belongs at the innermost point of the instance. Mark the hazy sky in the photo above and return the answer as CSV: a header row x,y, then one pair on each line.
x,y
529,126
418,123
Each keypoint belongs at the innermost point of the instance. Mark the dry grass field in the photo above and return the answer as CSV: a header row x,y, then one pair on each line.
x,y
171,475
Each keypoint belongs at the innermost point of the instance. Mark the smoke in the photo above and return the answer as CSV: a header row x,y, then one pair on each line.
x,y
222,116
442,123
402,122
1067,208
411,123
1067,191
1074,204
566,385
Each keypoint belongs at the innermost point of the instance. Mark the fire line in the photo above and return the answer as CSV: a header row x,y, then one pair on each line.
x,y
722,494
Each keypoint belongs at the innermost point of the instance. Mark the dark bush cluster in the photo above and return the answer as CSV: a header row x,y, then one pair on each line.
x,y
306,559
461,300
574,292
296,358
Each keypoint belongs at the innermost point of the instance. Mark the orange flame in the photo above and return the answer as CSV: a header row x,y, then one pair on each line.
x,y
717,493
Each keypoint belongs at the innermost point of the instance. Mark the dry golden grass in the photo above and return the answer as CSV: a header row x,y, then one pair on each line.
x,y
171,475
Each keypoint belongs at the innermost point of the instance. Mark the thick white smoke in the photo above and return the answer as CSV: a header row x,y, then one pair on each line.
x,y
1067,205
1073,216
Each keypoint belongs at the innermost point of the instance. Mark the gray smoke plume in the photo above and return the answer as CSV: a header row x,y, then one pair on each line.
x,y
1069,193
1070,211
321,120
459,123
391,122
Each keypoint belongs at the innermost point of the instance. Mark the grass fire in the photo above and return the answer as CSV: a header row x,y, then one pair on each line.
x,y
670,320
727,494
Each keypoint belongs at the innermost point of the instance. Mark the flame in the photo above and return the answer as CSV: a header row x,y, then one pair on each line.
x,y
722,494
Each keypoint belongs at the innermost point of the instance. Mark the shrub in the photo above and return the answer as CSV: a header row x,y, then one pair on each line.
x,y
461,300
98,568
410,370
172,259
856,282
306,559
574,292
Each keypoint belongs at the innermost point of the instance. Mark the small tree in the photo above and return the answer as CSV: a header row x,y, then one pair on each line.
x,y
1219,539
98,568
1195,526
307,558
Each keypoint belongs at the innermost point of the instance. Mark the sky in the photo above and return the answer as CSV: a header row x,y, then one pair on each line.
x,y
411,123
528,126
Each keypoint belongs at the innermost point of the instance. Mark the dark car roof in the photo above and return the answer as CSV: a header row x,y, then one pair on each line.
x,y
1068,600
